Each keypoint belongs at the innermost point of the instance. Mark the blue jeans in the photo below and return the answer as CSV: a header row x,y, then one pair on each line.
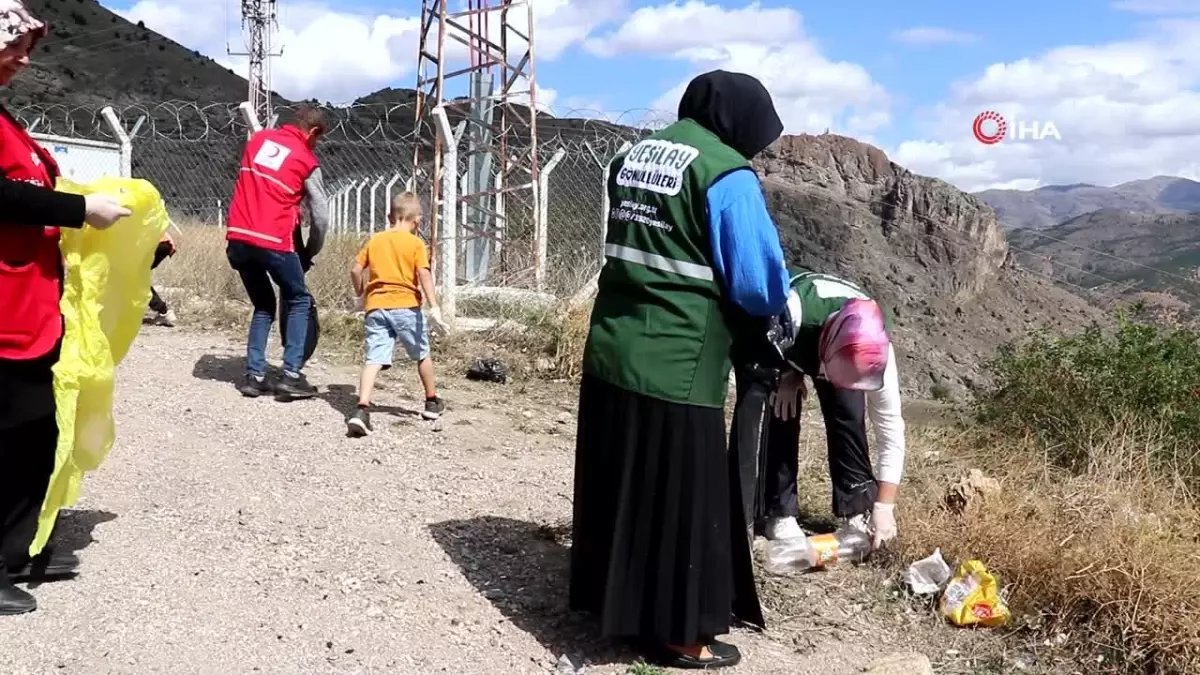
x,y
258,267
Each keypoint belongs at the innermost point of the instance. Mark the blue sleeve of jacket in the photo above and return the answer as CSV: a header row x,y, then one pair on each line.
x,y
746,250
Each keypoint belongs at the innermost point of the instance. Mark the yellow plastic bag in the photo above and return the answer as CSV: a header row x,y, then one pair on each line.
x,y
973,598
106,288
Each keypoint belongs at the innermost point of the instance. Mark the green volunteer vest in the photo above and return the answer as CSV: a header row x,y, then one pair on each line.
x,y
657,326
820,296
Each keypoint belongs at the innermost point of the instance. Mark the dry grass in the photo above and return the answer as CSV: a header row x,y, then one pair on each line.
x,y
200,285
1100,564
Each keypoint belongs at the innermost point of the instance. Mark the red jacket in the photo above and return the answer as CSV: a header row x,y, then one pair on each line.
x,y
30,286
265,208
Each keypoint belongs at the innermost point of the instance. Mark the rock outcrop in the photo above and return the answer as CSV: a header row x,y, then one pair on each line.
x,y
934,256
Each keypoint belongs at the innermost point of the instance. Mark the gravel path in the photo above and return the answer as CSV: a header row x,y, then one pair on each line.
x,y
226,536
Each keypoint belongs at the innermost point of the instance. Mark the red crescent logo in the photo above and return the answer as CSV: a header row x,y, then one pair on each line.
x,y
984,137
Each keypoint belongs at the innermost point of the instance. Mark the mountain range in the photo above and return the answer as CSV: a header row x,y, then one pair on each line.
x,y
1054,204
1137,241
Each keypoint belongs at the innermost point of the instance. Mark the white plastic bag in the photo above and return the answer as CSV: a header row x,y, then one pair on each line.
x,y
928,575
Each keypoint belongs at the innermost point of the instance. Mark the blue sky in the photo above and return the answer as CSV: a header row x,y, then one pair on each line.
x,y
914,75
836,65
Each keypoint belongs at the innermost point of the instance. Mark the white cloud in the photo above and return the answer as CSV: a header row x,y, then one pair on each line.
x,y
928,35
1158,6
811,92
333,52
692,28
1125,110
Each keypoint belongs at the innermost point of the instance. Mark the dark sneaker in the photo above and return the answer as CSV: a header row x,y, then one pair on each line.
x,y
47,565
293,387
254,386
433,408
359,424
14,600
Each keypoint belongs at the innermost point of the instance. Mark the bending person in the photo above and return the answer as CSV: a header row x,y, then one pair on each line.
x,y
842,343
659,551
31,324
278,172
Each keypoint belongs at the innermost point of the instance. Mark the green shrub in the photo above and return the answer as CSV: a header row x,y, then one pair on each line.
x,y
1073,392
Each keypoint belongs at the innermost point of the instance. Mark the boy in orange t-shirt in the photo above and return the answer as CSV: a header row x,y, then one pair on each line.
x,y
391,274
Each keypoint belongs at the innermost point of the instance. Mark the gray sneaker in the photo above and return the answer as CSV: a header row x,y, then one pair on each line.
x,y
359,424
433,408
293,388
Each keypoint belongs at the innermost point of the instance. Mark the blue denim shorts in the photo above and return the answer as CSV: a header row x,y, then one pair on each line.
x,y
385,327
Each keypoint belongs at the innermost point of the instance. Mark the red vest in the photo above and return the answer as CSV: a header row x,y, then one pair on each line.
x,y
265,208
30,286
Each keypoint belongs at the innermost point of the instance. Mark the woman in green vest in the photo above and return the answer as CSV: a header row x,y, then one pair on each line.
x,y
659,548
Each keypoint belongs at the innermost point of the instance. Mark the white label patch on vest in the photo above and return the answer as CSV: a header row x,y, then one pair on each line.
x,y
829,288
657,166
271,155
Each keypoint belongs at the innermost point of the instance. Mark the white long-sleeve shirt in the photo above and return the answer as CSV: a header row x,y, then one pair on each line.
x,y
883,408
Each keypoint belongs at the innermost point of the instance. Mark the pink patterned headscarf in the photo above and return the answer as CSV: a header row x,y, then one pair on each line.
x,y
854,346
16,22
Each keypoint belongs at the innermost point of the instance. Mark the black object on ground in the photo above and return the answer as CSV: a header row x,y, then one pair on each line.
x,y
488,370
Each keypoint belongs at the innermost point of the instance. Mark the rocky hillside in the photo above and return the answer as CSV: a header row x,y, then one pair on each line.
x,y
1048,206
1130,256
937,258
92,58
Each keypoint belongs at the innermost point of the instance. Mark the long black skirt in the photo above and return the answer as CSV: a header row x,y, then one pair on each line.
x,y
659,549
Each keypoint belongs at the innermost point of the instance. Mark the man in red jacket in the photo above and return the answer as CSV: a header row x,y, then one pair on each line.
x,y
278,172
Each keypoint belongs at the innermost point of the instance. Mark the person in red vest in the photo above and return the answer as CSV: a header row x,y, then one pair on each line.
x,y
31,324
278,173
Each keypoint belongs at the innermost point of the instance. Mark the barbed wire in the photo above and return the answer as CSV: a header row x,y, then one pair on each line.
x,y
370,123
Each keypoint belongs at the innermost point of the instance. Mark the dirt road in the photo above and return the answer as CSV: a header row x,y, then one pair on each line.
x,y
226,535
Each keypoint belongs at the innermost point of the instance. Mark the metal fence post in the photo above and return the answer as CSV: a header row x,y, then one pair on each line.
x,y
250,116
541,224
374,189
123,138
387,197
449,219
358,209
501,228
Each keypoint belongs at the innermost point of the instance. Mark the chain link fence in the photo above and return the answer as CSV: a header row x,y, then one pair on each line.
x,y
190,152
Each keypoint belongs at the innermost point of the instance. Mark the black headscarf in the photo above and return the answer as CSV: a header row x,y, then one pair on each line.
x,y
734,106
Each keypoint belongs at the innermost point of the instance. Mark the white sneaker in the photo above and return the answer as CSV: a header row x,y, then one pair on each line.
x,y
165,319
784,528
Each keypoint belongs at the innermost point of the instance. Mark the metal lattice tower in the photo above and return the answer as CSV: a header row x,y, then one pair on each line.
x,y
491,98
259,22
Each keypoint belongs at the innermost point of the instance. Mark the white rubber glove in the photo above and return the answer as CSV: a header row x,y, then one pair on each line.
x,y
787,396
883,522
435,313
101,211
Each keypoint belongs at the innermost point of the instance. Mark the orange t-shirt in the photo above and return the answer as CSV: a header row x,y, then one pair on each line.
x,y
393,258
